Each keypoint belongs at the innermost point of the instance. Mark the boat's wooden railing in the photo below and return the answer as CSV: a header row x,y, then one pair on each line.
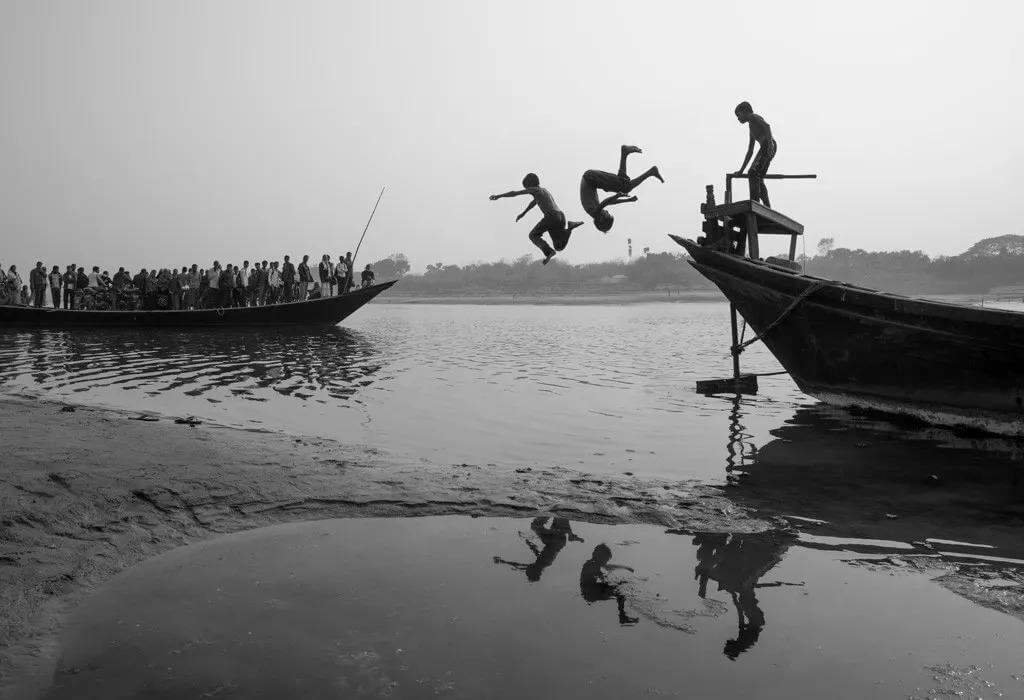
x,y
729,177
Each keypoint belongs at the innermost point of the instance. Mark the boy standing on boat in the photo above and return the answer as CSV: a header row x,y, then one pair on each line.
x,y
620,184
760,132
553,223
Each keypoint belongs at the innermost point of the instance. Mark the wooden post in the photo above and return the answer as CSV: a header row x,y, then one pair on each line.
x,y
752,248
792,247
735,342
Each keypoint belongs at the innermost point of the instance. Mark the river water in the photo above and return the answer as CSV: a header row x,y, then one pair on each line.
x,y
599,388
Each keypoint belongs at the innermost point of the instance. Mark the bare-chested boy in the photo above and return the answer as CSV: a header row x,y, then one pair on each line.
x,y
620,184
762,134
553,222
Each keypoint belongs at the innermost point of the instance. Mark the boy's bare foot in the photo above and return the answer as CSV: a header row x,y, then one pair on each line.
x,y
657,173
547,258
573,224
631,149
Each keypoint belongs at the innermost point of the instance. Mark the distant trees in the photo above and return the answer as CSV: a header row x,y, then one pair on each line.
x,y
527,275
998,245
991,262
393,266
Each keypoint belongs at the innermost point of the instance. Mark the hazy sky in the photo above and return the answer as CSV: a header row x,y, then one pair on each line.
x,y
165,133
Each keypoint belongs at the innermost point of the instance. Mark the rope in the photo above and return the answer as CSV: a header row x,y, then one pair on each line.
x,y
789,309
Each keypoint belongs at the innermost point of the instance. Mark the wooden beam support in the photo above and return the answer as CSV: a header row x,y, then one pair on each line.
x,y
753,250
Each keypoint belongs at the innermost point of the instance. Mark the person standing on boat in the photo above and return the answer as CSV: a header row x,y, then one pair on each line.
x,y
620,184
242,284
69,280
13,280
227,286
349,272
37,285
213,284
553,223
151,285
341,274
55,282
761,133
274,284
326,275
288,279
305,278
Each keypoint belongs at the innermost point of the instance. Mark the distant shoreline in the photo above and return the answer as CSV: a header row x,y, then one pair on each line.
x,y
683,296
620,298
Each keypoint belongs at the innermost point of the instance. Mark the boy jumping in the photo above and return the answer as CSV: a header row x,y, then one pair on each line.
x,y
620,184
762,134
553,222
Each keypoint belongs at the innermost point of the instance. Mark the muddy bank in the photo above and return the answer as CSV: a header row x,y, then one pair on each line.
x,y
85,493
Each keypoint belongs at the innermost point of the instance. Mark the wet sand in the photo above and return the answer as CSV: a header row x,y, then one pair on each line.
x,y
86,493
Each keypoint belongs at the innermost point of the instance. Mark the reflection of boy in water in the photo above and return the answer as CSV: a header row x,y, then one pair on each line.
x,y
594,585
620,184
737,562
554,538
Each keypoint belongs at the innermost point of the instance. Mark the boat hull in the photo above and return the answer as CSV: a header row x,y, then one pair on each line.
x,y
845,345
327,311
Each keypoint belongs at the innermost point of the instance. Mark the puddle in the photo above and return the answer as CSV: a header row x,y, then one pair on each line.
x,y
457,607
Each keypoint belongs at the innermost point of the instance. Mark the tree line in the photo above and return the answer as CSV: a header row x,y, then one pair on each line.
x,y
991,262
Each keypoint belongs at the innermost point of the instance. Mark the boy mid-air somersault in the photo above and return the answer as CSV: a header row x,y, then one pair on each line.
x,y
620,184
553,223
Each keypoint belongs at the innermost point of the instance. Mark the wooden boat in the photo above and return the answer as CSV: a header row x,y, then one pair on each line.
x,y
326,311
942,363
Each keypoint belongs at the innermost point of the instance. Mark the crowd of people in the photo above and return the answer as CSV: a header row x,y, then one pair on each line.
x,y
218,286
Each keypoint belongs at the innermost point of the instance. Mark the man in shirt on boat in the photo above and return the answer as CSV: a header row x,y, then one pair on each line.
x,y
70,279
326,271
761,133
367,277
37,285
349,272
242,283
288,279
553,223
55,282
305,278
620,184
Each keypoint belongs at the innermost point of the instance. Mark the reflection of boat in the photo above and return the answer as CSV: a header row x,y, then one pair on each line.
x,y
864,478
326,311
243,363
851,346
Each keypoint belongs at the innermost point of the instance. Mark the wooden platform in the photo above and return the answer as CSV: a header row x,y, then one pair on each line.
x,y
741,222
768,220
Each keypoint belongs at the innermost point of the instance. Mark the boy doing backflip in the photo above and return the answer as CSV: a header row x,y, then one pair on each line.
x,y
620,184
762,134
553,223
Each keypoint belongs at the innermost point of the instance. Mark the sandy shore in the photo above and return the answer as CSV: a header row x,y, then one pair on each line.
x,y
554,299
85,493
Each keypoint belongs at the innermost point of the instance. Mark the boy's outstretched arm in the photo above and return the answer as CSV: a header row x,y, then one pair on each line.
x,y
511,193
529,206
746,158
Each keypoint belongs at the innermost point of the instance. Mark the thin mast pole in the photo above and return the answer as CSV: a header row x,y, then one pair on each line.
x,y
365,229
